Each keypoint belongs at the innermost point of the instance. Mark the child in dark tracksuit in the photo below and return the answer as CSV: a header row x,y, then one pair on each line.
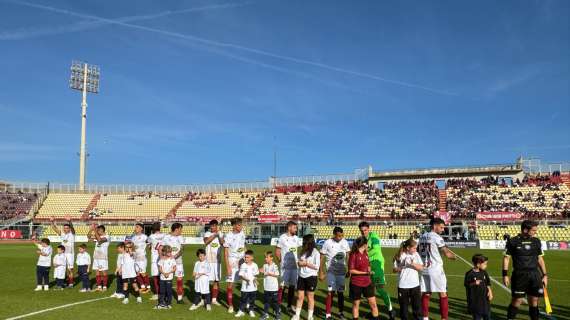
x,y
478,287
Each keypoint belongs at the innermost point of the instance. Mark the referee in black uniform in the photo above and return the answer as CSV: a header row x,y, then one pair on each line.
x,y
529,270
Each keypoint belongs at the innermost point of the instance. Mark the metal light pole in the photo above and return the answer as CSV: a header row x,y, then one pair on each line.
x,y
84,77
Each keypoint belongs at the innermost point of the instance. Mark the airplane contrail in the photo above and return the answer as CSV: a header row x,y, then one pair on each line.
x,y
27,33
237,47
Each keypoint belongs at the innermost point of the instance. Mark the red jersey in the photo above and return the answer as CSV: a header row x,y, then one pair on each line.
x,y
359,261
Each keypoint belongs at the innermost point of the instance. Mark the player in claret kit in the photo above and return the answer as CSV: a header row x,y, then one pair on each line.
x,y
234,251
286,252
376,259
139,240
334,255
68,241
213,239
434,280
155,240
176,242
100,256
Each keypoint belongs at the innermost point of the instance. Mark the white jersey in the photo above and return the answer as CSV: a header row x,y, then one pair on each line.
x,y
59,263
44,259
120,259
139,240
336,253
101,251
155,240
248,272
289,246
408,276
68,241
202,282
235,242
83,259
128,267
428,247
175,242
270,283
313,259
167,266
213,252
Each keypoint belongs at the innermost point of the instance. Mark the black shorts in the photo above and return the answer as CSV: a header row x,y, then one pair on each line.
x,y
307,284
527,283
356,292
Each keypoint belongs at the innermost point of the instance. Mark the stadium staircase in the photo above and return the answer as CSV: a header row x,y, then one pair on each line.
x,y
330,205
92,205
442,196
258,203
172,212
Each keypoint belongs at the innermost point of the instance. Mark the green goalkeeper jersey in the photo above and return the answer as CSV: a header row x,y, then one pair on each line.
x,y
376,258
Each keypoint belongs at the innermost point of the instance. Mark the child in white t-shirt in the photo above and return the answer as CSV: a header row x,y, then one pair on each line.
x,y
59,267
43,265
270,272
129,274
201,273
166,268
408,264
247,272
83,261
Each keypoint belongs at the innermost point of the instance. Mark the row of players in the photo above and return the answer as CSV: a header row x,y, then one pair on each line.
x,y
299,272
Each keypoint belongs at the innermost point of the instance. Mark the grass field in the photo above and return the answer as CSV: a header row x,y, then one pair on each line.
x,y
17,282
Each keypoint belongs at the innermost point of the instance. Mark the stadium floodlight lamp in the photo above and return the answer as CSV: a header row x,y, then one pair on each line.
x,y
85,78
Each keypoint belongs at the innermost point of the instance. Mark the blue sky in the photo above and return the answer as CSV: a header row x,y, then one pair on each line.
x,y
204,91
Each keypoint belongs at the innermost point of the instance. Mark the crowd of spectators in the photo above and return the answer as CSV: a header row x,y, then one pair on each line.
x,y
536,197
15,204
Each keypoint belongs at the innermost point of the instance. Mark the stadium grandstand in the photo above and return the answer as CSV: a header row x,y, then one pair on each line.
x,y
481,202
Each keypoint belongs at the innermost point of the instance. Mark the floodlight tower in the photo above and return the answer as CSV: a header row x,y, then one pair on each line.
x,y
84,77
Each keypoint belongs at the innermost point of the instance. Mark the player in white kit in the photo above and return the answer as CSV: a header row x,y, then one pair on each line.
x,y
176,242
434,280
100,256
139,239
68,241
234,251
213,239
286,253
155,241
334,255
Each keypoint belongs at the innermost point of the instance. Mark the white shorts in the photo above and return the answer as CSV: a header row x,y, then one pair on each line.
x,y
202,285
335,282
140,266
154,272
289,278
434,281
179,273
215,271
233,276
101,265
69,260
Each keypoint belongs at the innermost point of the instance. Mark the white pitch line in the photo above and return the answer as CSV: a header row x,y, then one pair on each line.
x,y
55,308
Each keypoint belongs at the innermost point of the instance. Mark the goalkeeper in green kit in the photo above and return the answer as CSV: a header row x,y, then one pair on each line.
x,y
377,265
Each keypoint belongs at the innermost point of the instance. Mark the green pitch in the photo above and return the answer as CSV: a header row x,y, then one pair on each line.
x,y
17,282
